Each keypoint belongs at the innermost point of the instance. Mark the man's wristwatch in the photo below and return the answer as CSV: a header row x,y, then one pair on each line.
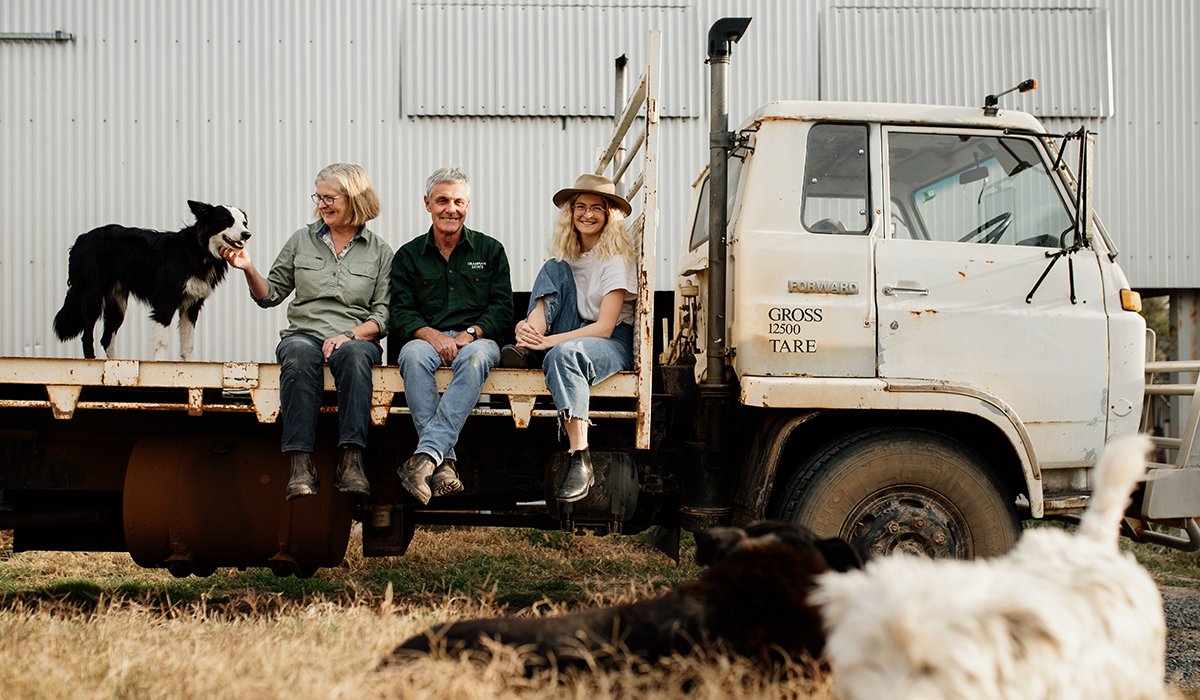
x,y
472,333
349,334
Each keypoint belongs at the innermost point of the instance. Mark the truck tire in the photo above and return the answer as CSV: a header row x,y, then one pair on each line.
x,y
889,490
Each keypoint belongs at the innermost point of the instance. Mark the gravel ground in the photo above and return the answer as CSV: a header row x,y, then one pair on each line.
x,y
1182,608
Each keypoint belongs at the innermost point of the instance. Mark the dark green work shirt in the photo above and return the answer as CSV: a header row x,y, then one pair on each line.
x,y
471,288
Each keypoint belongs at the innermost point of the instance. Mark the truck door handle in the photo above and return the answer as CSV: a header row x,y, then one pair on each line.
x,y
889,290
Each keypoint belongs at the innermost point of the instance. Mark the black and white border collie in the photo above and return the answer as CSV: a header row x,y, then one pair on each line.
x,y
170,271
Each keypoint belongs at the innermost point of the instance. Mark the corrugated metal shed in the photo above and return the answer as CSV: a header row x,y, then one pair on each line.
x,y
939,55
157,102
540,60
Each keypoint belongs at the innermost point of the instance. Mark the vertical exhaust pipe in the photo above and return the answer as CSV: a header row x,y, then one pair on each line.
x,y
705,493
721,37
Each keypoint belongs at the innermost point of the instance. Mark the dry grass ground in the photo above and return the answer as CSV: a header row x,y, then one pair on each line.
x,y
97,626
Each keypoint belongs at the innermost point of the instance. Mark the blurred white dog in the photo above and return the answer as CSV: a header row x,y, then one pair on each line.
x,y
1059,616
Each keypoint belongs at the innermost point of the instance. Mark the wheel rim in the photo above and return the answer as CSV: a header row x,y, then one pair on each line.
x,y
908,519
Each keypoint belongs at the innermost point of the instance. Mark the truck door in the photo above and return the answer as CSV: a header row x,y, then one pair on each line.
x,y
973,221
802,256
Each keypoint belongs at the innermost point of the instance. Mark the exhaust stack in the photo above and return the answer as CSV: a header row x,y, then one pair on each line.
x,y
706,488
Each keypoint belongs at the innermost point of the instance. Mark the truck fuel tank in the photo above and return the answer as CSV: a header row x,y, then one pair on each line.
x,y
193,503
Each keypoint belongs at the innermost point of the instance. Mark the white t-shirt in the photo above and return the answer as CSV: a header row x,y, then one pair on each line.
x,y
595,277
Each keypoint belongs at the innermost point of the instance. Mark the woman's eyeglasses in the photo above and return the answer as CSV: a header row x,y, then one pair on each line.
x,y
326,199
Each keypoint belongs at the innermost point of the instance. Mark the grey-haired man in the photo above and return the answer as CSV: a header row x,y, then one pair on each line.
x,y
451,296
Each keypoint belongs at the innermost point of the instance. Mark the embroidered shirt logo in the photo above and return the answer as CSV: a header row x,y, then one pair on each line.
x,y
477,265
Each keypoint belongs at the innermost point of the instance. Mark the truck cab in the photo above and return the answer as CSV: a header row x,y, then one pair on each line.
x,y
936,347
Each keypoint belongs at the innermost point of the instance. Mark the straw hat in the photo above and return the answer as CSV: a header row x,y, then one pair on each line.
x,y
594,184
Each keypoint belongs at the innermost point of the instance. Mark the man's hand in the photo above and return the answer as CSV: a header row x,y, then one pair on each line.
x,y
463,338
447,347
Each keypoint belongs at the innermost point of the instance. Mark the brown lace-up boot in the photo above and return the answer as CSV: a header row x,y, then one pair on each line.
x,y
445,479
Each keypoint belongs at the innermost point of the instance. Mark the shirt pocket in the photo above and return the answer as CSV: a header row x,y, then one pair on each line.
x,y
477,285
310,276
430,293
358,284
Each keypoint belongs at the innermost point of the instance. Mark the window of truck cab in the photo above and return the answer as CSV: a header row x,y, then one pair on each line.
x,y
981,188
836,195
733,178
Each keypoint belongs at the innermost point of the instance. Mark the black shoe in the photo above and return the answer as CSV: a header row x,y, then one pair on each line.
x,y
579,478
304,480
514,357
350,477
414,476
445,479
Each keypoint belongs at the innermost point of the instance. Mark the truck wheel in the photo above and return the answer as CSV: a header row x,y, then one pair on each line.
x,y
913,491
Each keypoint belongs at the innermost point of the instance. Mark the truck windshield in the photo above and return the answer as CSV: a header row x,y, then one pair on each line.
x,y
973,189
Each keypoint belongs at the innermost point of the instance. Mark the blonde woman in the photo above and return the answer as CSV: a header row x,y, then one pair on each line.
x,y
340,271
580,320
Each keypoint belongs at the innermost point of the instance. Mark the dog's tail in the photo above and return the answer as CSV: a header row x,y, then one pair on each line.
x,y
1121,467
69,322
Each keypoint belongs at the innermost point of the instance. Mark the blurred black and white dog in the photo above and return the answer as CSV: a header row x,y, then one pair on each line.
x,y
170,271
1060,617
753,601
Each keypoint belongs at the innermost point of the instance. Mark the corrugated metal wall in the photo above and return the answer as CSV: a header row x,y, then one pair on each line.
x,y
541,59
940,55
156,102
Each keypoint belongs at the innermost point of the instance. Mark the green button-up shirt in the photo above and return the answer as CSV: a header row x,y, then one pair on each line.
x,y
471,288
332,295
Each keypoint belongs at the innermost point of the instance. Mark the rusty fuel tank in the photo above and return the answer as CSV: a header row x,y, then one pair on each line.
x,y
194,503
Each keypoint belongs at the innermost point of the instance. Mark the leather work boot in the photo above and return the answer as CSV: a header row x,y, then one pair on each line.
x,y
349,477
414,476
579,478
445,479
304,480
514,357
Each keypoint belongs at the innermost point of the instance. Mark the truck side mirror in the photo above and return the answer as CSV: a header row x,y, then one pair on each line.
x,y
1087,146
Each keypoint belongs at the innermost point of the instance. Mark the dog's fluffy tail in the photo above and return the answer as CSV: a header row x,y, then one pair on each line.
x,y
1121,467
69,322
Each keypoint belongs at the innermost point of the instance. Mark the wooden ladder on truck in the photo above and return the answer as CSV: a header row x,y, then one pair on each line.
x,y
644,103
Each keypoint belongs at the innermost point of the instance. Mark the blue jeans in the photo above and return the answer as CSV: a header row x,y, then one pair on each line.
x,y
439,419
302,388
574,366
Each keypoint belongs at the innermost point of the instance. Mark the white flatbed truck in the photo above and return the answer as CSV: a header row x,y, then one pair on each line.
x,y
910,331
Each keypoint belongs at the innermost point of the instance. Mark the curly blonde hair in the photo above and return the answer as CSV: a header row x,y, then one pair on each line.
x,y
564,239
